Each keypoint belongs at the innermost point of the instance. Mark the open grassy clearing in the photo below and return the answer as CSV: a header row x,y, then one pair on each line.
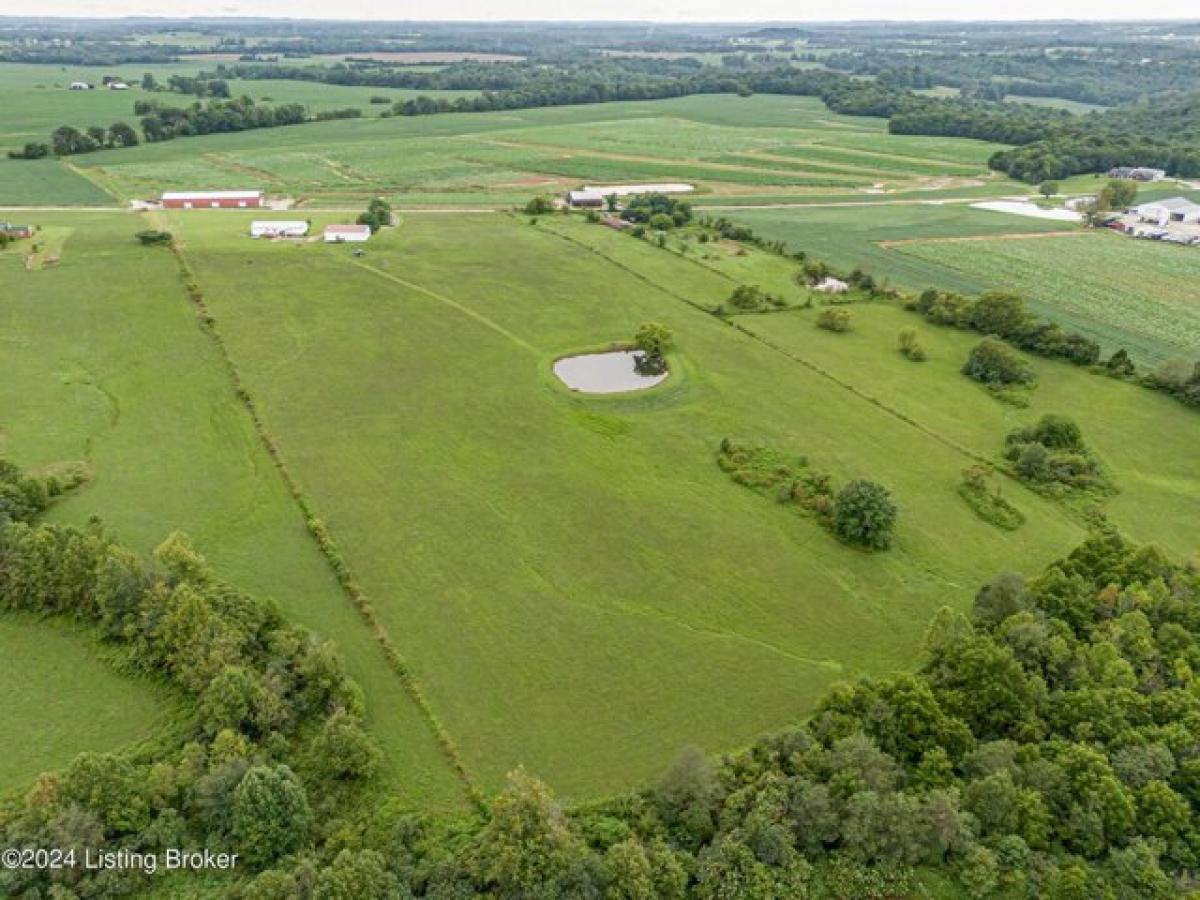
x,y
726,145
1140,295
1159,499
105,364
468,490
62,699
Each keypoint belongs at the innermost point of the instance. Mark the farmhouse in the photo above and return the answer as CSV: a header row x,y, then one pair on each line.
x,y
278,229
8,229
1173,209
831,285
337,234
212,199
585,199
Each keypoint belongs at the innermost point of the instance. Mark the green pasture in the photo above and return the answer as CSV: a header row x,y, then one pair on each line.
x,y
577,586
59,698
104,364
1140,295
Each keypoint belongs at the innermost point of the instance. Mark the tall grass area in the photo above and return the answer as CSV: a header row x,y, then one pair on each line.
x,y
46,182
105,364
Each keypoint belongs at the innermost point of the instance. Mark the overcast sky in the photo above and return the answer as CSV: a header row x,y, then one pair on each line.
x,y
641,10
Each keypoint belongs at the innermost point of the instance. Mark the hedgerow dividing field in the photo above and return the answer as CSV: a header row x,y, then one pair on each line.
x,y
1140,295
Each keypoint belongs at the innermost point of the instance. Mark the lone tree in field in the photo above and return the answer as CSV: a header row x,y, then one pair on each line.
x,y
1048,189
995,363
864,515
910,345
378,214
834,319
539,206
654,340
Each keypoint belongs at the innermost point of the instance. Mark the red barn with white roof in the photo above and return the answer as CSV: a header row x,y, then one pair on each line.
x,y
212,200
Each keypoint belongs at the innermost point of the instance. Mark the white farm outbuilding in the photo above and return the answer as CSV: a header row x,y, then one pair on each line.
x,y
336,234
278,229
1174,209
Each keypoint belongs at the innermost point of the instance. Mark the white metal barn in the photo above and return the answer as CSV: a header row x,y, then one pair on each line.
x,y
278,229
336,234
1174,209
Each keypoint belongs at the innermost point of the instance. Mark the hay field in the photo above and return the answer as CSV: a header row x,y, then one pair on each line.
x,y
756,147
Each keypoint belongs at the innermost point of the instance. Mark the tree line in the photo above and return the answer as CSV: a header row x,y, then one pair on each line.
x,y
160,122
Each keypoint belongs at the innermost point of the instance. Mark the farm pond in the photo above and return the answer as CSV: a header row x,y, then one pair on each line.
x,y
606,373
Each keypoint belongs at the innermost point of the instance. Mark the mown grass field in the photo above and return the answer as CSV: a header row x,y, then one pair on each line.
x,y
1140,295
546,562
104,364
757,148
58,698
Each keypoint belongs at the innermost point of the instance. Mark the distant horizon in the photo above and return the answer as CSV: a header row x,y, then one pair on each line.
x,y
654,12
